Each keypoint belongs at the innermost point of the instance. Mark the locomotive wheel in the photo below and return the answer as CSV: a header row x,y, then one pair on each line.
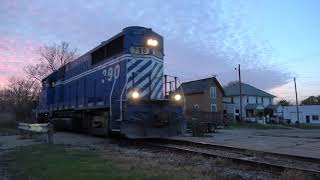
x,y
99,124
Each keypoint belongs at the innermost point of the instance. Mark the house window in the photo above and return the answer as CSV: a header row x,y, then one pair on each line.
x,y
213,108
269,100
256,100
315,117
213,92
247,99
262,100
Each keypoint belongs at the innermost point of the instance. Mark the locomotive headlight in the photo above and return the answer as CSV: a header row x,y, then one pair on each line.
x,y
177,97
155,42
152,42
135,95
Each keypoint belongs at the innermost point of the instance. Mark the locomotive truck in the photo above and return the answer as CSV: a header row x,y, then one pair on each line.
x,y
117,87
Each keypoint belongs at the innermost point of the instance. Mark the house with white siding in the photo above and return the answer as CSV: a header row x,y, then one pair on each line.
x,y
307,114
254,100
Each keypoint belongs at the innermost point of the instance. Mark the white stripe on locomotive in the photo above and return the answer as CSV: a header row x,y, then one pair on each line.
x,y
139,75
157,70
154,80
158,83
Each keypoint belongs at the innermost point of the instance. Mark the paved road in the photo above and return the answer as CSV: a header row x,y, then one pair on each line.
x,y
10,142
291,141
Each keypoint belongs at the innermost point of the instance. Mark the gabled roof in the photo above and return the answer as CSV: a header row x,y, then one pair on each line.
x,y
233,90
199,86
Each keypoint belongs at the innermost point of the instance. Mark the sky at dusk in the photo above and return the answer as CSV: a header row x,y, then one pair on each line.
x,y
273,40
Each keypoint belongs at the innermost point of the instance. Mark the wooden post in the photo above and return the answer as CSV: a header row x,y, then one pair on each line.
x,y
240,89
297,104
50,133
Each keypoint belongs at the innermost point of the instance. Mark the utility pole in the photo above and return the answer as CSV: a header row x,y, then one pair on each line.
x,y
295,88
240,91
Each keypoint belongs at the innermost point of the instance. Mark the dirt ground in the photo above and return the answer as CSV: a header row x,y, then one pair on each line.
x,y
302,142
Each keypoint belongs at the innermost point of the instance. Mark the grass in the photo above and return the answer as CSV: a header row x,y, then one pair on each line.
x,y
304,126
256,126
56,162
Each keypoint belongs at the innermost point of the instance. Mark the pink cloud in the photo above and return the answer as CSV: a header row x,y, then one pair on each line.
x,y
3,81
15,54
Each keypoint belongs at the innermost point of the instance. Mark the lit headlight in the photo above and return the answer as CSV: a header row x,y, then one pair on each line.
x,y
152,42
177,97
135,95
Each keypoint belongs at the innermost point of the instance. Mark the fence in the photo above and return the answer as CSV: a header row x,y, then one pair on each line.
x,y
206,122
37,128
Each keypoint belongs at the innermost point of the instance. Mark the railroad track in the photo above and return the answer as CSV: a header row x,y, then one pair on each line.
x,y
259,160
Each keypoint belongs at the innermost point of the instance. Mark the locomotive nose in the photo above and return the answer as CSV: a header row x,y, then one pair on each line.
x,y
160,119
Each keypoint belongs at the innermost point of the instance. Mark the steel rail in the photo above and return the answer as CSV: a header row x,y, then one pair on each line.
x,y
237,150
203,149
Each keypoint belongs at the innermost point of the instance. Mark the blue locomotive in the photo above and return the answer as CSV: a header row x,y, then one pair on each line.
x,y
117,87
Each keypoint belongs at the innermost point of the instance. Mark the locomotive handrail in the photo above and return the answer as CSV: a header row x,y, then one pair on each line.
x,y
184,99
110,97
121,98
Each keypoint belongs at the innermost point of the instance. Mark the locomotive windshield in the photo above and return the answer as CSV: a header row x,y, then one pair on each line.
x,y
114,47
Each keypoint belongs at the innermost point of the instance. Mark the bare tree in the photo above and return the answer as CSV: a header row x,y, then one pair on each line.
x,y
23,94
21,91
52,57
20,97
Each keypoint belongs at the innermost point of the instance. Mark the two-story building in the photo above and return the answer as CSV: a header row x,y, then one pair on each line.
x,y
254,100
204,95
